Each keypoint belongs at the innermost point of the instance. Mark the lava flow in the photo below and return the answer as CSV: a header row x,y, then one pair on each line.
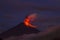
x,y
30,19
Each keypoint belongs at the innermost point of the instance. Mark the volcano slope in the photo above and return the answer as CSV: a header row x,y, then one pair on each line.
x,y
18,30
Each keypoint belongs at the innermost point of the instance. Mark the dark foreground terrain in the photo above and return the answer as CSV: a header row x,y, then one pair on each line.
x,y
52,33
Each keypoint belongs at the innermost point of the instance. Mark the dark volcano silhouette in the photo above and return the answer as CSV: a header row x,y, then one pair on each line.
x,y
18,30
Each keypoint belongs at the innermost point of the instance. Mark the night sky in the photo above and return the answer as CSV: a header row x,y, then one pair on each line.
x,y
13,12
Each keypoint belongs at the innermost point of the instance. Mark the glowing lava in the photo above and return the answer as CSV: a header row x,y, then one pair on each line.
x,y
30,18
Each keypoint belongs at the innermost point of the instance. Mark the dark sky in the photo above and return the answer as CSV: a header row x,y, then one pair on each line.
x,y
13,12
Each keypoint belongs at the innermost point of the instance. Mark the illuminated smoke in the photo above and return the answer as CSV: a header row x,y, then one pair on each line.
x,y
30,19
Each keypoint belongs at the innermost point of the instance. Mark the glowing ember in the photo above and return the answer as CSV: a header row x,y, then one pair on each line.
x,y
30,18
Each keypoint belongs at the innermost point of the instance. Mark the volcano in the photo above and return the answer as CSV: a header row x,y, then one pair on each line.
x,y
21,29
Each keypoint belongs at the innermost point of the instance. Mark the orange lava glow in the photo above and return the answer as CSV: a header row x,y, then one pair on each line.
x,y
28,19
